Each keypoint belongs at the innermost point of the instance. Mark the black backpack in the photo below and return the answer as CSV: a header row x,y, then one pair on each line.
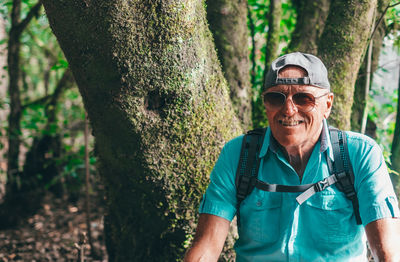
x,y
341,172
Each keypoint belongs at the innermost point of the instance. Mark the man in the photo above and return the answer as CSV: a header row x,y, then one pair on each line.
x,y
295,151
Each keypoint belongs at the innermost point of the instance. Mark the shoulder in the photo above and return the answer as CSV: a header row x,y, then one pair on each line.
x,y
234,142
233,146
365,154
360,143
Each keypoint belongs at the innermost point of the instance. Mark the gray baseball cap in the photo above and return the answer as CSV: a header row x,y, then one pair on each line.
x,y
317,75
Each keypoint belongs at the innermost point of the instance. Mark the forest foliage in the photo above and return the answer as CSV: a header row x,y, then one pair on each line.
x,y
43,65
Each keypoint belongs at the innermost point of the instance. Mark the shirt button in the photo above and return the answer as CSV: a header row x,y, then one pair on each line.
x,y
259,203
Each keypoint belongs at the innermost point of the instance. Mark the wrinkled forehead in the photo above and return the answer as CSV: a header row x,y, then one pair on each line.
x,y
292,71
293,89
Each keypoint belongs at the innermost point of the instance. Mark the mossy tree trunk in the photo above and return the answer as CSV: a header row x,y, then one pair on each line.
x,y
228,24
160,111
274,21
341,47
311,18
395,157
359,91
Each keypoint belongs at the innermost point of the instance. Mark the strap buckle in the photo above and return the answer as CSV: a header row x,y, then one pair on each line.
x,y
321,185
344,183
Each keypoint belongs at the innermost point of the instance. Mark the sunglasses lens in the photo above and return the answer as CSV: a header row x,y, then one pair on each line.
x,y
304,101
274,99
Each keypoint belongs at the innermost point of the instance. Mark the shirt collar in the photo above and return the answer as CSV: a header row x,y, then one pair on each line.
x,y
271,143
326,140
266,143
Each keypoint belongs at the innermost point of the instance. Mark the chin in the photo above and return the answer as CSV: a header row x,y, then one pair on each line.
x,y
289,140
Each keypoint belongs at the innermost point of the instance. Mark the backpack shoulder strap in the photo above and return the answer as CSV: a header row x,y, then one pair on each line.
x,y
249,163
343,169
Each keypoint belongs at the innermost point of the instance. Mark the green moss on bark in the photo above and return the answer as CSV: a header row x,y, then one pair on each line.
x,y
311,18
359,91
274,19
341,47
228,23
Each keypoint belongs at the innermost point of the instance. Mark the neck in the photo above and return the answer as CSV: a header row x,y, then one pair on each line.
x,y
298,155
298,158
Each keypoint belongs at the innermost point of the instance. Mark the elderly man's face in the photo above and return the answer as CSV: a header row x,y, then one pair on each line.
x,y
294,124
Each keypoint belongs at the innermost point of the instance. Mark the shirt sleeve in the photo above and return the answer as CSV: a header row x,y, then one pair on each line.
x,y
220,196
374,188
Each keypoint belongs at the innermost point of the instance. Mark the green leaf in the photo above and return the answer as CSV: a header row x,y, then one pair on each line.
x,y
61,64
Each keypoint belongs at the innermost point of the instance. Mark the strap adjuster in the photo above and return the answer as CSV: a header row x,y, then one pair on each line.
x,y
246,185
321,185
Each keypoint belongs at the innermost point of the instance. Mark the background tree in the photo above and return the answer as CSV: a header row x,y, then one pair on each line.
x,y
3,110
160,111
341,47
225,17
359,90
395,157
14,180
311,18
34,128
260,17
14,44
274,21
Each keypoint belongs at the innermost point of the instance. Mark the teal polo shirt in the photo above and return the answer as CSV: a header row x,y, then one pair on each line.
x,y
274,227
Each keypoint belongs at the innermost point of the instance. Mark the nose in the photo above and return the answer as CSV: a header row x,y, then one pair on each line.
x,y
289,108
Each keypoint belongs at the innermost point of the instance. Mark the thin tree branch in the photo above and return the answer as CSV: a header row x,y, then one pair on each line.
x,y
367,88
48,51
15,13
253,43
32,13
49,99
64,83
381,18
42,100
393,5
87,186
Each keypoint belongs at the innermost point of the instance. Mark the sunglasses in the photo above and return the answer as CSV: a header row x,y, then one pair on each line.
x,y
304,102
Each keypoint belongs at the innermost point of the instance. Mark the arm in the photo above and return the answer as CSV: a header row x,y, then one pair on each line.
x,y
384,238
209,239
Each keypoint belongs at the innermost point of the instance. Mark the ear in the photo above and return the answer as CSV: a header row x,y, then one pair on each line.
x,y
329,103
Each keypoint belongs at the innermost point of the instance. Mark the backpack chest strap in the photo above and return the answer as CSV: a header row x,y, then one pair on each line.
x,y
317,187
307,190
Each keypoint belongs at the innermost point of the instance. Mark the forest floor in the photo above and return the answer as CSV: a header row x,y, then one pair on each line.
x,y
55,233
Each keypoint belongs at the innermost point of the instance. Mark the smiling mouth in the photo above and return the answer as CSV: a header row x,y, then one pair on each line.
x,y
290,122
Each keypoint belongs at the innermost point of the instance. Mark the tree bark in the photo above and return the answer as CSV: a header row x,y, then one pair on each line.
x,y
341,47
160,112
359,91
311,18
14,128
274,20
228,23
